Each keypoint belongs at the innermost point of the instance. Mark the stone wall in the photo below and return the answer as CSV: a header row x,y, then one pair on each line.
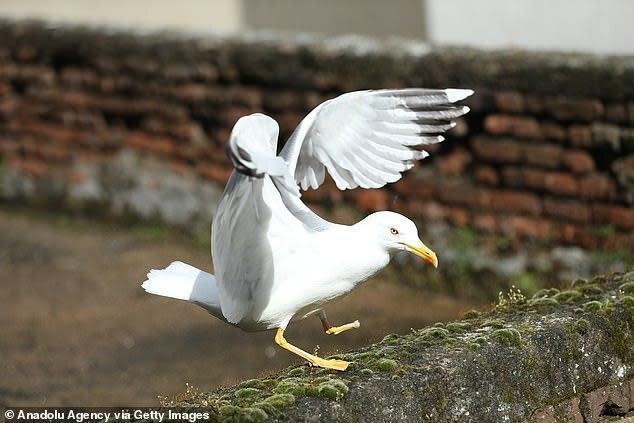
x,y
560,356
137,123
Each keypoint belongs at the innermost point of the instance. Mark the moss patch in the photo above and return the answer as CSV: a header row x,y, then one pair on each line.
x,y
387,365
508,337
627,288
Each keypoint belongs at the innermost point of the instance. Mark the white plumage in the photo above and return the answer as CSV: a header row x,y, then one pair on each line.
x,y
274,259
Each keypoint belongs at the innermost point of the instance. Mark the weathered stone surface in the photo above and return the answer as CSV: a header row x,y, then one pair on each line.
x,y
559,356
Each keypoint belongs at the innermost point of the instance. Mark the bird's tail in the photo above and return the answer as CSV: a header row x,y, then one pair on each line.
x,y
185,282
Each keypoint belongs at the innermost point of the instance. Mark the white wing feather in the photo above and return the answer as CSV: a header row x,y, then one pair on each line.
x,y
368,138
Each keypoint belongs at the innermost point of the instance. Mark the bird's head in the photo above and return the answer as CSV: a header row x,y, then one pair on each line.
x,y
395,232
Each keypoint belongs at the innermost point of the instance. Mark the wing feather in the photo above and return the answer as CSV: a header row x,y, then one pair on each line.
x,y
368,138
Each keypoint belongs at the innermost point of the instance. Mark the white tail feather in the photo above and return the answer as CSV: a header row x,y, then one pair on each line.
x,y
185,282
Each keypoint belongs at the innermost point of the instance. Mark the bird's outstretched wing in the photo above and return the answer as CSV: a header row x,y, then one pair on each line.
x,y
368,138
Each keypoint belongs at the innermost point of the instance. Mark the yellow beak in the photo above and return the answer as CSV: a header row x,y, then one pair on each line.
x,y
424,253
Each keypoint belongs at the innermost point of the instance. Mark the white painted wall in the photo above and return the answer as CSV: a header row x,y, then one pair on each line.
x,y
596,26
184,15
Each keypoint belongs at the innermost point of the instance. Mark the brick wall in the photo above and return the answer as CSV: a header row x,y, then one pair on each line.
x,y
139,123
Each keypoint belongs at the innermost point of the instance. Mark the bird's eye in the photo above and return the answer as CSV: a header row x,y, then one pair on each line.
x,y
394,231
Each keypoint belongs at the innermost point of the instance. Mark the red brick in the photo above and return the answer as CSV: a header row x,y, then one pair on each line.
x,y
214,173
26,53
534,178
371,199
597,186
616,113
544,155
146,142
497,150
561,183
534,104
459,217
288,121
457,193
567,209
620,217
562,108
578,161
580,135
618,242
553,131
32,167
512,201
454,163
280,100
486,175
513,177
429,210
566,233
228,116
420,189
78,77
485,222
527,227
523,127
509,101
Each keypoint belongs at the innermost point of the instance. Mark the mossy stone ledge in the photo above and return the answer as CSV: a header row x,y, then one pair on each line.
x,y
559,356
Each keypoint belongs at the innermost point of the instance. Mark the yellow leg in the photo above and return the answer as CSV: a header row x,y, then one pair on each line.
x,y
312,359
336,330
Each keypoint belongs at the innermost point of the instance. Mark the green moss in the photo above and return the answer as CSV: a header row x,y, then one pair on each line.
x,y
546,292
567,296
297,371
628,301
494,323
333,389
582,326
480,340
251,383
387,365
471,314
366,372
601,279
435,333
508,337
278,401
578,283
389,339
543,302
290,386
458,326
232,413
590,290
247,393
473,346
627,288
592,306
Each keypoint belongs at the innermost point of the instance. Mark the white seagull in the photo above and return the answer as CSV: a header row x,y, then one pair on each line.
x,y
275,260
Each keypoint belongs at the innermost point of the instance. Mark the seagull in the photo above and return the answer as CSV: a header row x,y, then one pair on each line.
x,y
278,262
